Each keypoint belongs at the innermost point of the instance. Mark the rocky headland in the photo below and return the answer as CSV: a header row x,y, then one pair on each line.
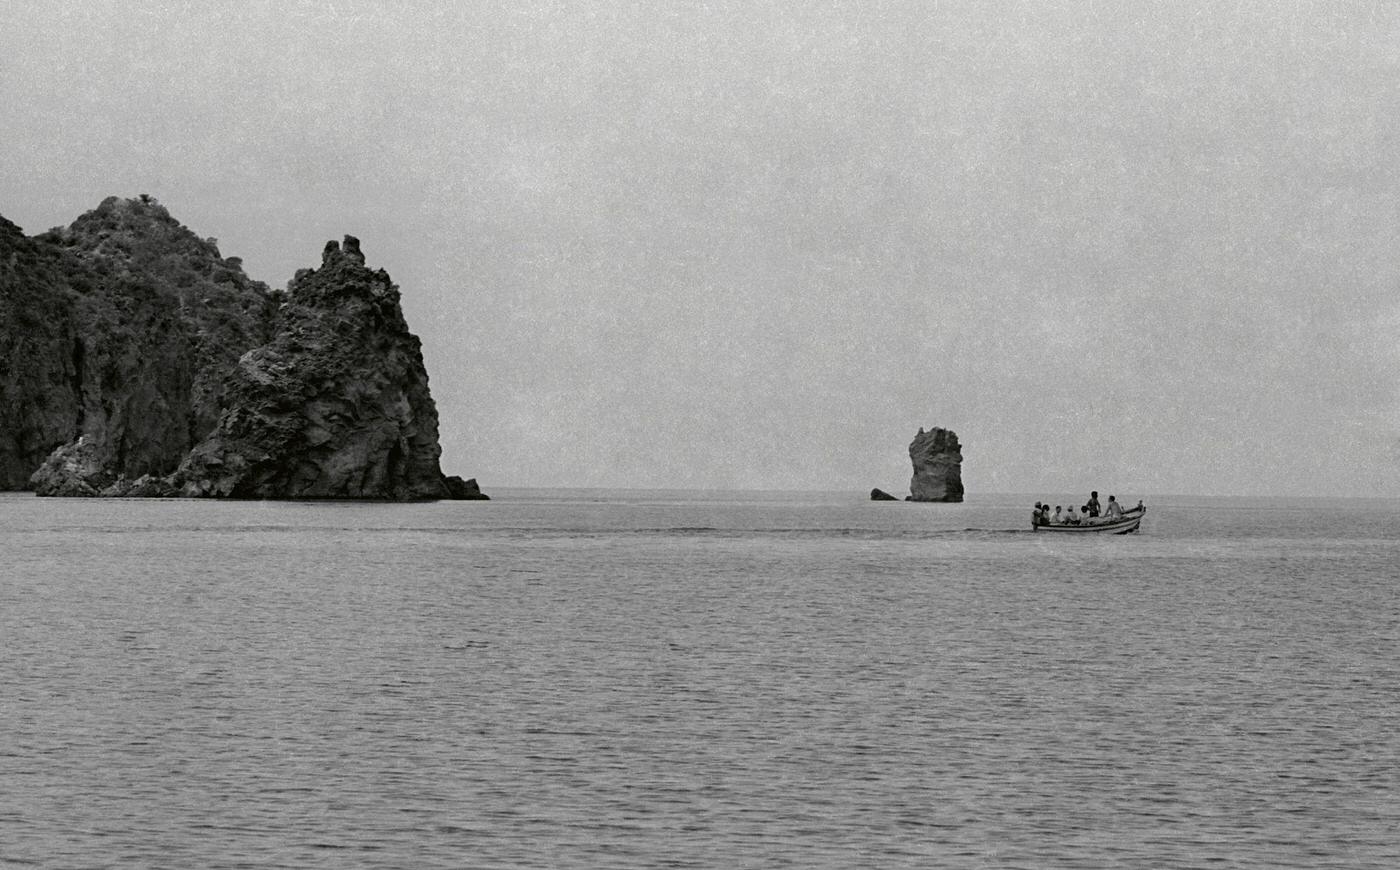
x,y
937,459
135,360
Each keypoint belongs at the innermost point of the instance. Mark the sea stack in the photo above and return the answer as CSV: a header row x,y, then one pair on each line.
x,y
937,459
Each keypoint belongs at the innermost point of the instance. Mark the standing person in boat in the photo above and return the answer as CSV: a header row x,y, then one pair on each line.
x,y
1114,509
1093,506
1037,516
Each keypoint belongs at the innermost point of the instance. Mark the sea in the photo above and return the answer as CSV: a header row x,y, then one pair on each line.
x,y
654,679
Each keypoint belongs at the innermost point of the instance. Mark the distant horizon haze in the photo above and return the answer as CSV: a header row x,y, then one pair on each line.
x,y
757,246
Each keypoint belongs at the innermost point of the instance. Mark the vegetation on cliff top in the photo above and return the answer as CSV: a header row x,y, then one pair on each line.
x,y
130,253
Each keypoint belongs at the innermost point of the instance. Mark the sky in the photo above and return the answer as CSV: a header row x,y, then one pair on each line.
x,y
1144,248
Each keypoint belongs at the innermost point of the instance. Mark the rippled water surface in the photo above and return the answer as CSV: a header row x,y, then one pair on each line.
x,y
622,679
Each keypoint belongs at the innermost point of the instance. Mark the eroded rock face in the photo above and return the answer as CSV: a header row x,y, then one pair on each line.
x,y
937,459
336,406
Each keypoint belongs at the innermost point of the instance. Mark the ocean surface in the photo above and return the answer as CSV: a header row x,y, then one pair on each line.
x,y
599,679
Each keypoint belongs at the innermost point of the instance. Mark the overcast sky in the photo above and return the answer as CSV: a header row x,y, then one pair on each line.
x,y
1135,247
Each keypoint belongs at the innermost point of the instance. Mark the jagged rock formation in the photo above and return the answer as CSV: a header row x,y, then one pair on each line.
x,y
457,488
937,459
141,362
336,406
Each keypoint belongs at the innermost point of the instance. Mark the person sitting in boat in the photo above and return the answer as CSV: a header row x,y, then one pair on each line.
x,y
1140,506
1037,516
1114,509
1093,506
1072,516
1085,518
1058,519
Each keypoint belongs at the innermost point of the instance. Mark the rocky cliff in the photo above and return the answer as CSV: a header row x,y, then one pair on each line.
x,y
39,356
136,360
335,406
937,459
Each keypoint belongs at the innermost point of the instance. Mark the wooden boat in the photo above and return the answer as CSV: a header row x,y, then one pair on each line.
x,y
1126,524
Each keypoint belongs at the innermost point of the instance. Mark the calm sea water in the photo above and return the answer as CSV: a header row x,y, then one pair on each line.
x,y
625,679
